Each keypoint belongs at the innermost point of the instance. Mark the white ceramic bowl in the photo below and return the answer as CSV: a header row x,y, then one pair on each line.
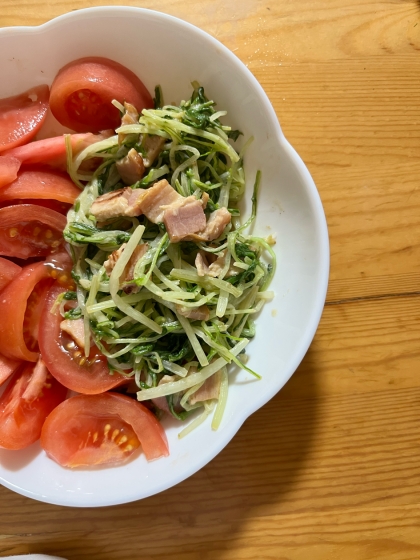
x,y
164,50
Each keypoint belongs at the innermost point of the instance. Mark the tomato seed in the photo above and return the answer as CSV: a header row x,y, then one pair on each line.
x,y
48,234
13,232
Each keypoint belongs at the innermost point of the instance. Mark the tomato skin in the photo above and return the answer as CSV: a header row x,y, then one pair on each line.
x,y
7,368
60,207
61,362
13,303
9,167
18,224
26,403
83,90
8,271
88,430
52,151
42,184
21,117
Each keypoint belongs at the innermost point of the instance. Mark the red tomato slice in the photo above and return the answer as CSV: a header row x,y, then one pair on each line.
x,y
9,167
52,151
83,91
44,184
60,207
8,271
29,230
105,429
66,361
22,116
13,312
7,368
31,395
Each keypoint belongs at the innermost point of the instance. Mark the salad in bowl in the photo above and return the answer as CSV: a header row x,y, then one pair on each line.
x,y
138,253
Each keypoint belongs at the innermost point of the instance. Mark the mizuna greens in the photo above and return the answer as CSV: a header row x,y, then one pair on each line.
x,y
142,326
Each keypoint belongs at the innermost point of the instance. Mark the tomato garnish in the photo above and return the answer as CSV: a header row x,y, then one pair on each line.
x,y
29,230
9,167
21,116
42,184
66,360
83,91
7,368
52,151
28,399
8,271
14,313
105,429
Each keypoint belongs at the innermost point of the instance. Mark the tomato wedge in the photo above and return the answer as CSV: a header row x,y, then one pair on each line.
x,y
9,167
105,429
29,230
28,399
13,312
66,361
52,151
7,368
8,271
22,116
83,91
43,184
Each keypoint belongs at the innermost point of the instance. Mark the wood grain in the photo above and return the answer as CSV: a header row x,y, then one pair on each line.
x,y
330,468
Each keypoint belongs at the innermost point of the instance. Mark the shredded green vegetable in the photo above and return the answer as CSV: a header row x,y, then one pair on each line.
x,y
142,324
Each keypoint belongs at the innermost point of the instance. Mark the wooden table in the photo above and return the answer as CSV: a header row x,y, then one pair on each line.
x,y
330,468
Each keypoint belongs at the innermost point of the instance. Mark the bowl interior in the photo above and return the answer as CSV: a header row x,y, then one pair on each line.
x,y
163,50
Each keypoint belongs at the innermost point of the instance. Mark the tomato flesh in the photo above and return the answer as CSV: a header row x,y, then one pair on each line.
x,y
29,230
8,271
28,399
105,429
66,361
22,116
82,94
7,368
52,151
9,167
43,184
14,312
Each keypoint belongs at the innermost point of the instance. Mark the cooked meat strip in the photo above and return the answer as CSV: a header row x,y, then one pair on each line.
x,y
128,273
210,389
201,313
152,146
76,329
123,202
213,269
184,218
131,167
159,195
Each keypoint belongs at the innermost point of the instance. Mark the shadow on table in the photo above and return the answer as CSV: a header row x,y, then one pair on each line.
x,y
254,475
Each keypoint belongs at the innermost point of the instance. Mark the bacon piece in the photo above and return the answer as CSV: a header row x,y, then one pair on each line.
x,y
160,195
161,402
123,202
216,223
210,389
201,313
131,167
152,146
215,268
75,329
184,218
131,115
128,273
